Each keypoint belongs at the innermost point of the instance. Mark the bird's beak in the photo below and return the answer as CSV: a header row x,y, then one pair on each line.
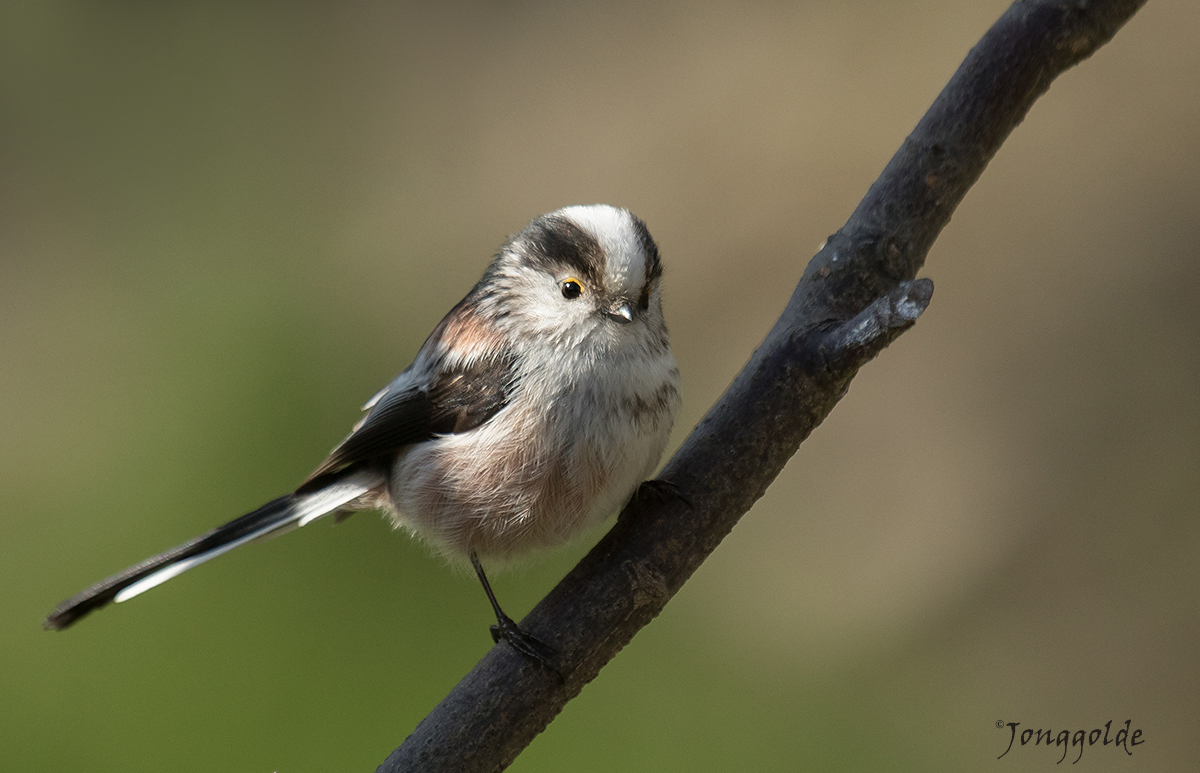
x,y
622,313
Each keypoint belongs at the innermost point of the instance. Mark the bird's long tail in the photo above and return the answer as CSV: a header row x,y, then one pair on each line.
x,y
275,517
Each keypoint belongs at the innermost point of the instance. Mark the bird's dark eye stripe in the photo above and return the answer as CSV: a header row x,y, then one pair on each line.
x,y
644,299
571,289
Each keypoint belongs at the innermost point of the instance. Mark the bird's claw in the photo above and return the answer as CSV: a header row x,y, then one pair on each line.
x,y
661,490
525,643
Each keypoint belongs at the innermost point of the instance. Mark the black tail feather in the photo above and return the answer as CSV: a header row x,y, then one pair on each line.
x,y
277,510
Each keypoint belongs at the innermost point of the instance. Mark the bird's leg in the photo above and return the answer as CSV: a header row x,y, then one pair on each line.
x,y
524,643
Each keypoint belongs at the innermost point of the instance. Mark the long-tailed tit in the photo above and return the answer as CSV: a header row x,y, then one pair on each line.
x,y
533,411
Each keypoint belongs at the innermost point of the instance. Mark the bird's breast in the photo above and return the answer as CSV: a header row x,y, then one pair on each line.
x,y
543,469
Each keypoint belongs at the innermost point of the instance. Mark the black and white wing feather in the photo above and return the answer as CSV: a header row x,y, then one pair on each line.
x,y
458,400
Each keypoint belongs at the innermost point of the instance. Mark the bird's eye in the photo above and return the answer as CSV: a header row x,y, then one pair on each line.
x,y
571,289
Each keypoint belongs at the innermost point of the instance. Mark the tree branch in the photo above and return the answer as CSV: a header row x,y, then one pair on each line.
x,y
856,296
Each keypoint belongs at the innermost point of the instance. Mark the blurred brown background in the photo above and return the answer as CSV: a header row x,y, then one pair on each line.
x,y
222,228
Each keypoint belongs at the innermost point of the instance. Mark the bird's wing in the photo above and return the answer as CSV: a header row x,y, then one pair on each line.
x,y
457,400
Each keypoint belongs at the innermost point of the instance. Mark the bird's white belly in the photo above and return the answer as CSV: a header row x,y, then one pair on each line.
x,y
482,491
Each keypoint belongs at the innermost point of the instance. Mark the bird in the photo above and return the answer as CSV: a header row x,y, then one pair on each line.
x,y
536,408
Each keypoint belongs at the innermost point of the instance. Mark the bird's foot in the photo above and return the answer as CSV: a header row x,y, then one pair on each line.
x,y
662,490
525,643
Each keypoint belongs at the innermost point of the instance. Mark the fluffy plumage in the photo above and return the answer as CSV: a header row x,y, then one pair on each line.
x,y
533,411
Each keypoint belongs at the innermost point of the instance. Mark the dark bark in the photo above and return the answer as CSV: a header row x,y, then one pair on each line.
x,y
856,296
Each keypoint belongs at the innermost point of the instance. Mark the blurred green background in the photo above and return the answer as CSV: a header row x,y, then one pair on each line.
x,y
224,226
